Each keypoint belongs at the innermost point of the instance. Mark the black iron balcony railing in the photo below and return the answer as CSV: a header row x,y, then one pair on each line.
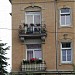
x,y
34,66
32,30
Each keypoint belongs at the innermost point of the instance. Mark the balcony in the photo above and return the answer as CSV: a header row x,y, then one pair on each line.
x,y
32,31
41,66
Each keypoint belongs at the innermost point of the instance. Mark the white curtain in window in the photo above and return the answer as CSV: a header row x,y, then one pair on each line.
x,y
38,54
29,19
29,55
37,19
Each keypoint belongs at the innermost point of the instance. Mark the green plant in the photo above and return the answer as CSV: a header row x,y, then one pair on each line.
x,y
32,60
3,58
25,61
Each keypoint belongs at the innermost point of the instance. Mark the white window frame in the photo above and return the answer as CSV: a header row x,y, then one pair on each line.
x,y
68,13
66,53
32,15
33,52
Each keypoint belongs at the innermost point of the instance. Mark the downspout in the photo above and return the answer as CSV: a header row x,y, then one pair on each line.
x,y
56,35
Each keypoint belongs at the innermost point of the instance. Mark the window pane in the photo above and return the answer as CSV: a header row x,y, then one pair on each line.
x,y
68,19
38,54
62,19
65,10
29,19
33,46
63,55
69,55
29,55
66,45
33,17
37,19
34,12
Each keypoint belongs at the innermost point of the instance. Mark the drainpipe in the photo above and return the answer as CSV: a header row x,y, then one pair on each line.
x,y
56,35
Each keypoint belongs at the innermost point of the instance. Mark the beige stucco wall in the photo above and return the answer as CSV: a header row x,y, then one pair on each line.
x,y
48,17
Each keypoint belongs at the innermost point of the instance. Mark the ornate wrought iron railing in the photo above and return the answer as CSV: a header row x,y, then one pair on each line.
x,y
32,29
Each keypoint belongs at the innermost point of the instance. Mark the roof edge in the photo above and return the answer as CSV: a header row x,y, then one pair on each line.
x,y
10,1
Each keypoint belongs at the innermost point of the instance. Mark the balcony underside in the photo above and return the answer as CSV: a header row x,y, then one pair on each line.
x,y
36,35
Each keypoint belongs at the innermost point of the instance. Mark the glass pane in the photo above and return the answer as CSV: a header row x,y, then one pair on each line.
x,y
33,46
65,10
64,58
36,13
33,17
69,55
66,45
62,19
68,21
29,19
29,55
33,12
63,55
38,54
37,19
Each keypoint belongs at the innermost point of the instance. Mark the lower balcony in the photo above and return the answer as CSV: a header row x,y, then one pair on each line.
x,y
40,66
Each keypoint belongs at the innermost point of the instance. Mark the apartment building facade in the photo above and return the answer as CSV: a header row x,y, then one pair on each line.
x,y
43,35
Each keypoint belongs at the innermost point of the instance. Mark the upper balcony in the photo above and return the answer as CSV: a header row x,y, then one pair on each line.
x,y
32,31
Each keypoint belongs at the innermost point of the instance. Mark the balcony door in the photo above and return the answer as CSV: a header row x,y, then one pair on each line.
x,y
33,51
33,18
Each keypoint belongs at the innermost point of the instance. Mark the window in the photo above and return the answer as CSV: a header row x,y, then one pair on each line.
x,y
66,52
65,17
33,17
34,51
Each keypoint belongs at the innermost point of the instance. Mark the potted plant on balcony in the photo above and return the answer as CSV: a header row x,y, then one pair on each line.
x,y
38,61
35,60
43,30
25,25
38,24
31,24
20,29
25,61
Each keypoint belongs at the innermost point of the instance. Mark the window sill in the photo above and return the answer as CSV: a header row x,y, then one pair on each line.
x,y
70,26
63,63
